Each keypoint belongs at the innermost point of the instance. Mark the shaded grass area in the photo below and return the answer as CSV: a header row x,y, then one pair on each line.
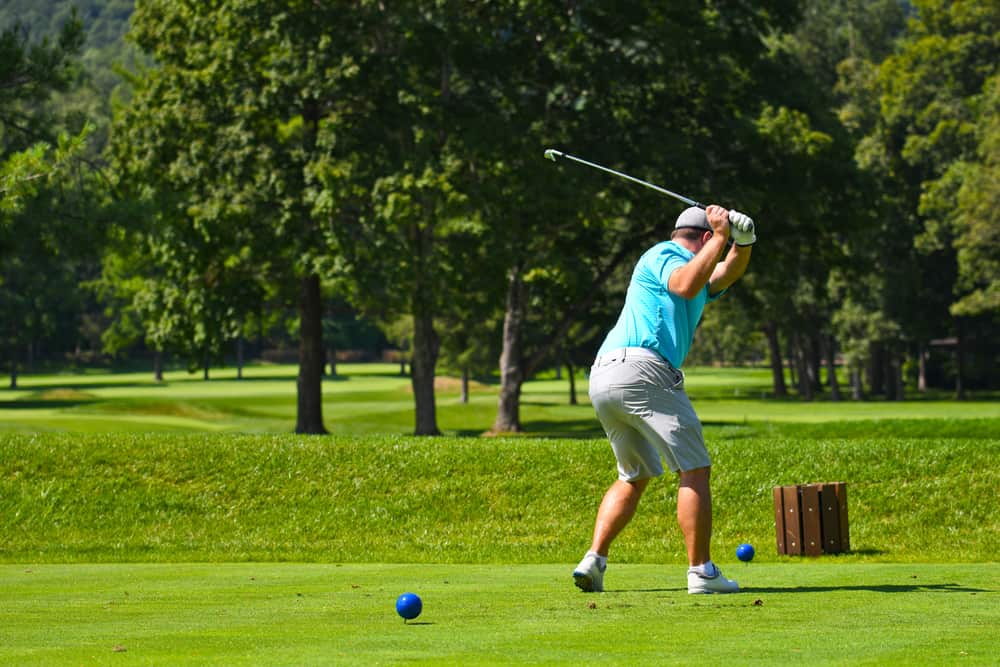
x,y
817,612
225,497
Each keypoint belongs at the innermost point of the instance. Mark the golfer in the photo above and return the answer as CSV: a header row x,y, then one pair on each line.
x,y
637,387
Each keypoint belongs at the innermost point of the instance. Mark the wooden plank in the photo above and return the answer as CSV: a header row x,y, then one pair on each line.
x,y
840,489
779,520
793,522
812,536
830,519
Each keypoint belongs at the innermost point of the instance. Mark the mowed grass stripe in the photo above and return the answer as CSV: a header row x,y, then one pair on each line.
x,y
375,398
817,612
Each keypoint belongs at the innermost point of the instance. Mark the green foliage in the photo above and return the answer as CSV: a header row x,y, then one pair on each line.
x,y
30,71
400,160
50,205
937,113
727,334
963,205
20,173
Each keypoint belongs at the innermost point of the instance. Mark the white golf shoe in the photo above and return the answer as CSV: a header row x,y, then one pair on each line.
x,y
589,575
701,583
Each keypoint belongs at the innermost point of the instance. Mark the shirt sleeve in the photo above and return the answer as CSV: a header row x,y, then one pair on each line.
x,y
670,262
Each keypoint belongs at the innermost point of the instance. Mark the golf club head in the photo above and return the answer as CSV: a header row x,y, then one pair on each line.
x,y
552,154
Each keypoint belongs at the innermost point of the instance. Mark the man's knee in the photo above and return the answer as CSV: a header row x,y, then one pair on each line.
x,y
636,486
695,477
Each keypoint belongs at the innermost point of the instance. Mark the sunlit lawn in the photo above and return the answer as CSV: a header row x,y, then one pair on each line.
x,y
377,398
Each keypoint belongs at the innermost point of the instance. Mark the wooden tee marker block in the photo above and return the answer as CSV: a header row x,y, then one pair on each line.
x,y
811,519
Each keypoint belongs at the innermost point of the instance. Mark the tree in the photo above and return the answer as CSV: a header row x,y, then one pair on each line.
x,y
963,205
41,242
639,74
224,133
923,132
417,194
29,74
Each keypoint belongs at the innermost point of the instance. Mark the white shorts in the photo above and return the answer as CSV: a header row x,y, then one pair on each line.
x,y
640,399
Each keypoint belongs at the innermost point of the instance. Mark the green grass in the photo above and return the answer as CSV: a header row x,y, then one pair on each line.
x,y
374,398
225,497
301,614
180,523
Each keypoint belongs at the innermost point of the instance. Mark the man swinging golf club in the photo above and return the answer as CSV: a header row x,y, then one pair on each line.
x,y
637,387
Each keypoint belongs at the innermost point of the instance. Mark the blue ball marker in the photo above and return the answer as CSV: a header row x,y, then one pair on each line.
x,y
409,606
745,552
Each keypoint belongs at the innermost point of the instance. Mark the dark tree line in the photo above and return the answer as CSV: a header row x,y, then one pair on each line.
x,y
268,158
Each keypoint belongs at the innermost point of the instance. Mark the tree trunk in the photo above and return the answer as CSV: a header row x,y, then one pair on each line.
x,y
464,398
515,366
831,368
204,365
800,355
814,361
777,367
959,363
511,358
158,365
423,364
888,374
922,368
239,357
310,380
899,392
13,375
572,382
331,357
793,369
857,392
875,369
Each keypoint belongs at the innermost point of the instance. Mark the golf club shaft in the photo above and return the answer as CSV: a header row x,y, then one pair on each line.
x,y
552,154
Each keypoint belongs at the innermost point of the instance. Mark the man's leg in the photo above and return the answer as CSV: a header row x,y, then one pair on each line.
x,y
694,514
617,509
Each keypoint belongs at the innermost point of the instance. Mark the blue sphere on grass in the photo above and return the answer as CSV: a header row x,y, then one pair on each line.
x,y
745,552
409,606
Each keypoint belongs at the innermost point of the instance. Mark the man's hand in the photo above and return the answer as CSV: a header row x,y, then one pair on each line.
x,y
718,218
743,230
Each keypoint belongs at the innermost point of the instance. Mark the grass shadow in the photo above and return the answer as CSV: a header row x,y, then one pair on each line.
x,y
873,588
77,385
565,428
45,404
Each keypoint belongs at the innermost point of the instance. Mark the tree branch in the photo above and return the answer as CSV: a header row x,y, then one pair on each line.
x,y
571,316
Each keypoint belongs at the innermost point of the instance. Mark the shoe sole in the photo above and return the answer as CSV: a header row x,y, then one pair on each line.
x,y
710,591
584,582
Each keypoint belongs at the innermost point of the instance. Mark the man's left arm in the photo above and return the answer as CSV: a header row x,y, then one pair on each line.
x,y
734,265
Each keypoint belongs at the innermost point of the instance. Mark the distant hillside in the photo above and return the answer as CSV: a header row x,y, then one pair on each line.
x,y
105,21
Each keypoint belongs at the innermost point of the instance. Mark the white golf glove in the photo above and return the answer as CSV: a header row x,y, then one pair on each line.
x,y
741,228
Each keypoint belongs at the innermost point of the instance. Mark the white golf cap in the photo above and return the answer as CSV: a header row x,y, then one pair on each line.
x,y
693,217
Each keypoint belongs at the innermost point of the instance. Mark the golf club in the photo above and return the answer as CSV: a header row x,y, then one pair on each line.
x,y
553,155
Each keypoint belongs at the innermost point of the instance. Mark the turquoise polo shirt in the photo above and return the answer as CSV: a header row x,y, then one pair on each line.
x,y
653,317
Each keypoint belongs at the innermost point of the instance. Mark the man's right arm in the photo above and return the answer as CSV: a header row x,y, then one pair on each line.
x,y
688,280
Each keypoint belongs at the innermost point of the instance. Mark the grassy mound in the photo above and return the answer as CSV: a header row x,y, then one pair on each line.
x,y
923,495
